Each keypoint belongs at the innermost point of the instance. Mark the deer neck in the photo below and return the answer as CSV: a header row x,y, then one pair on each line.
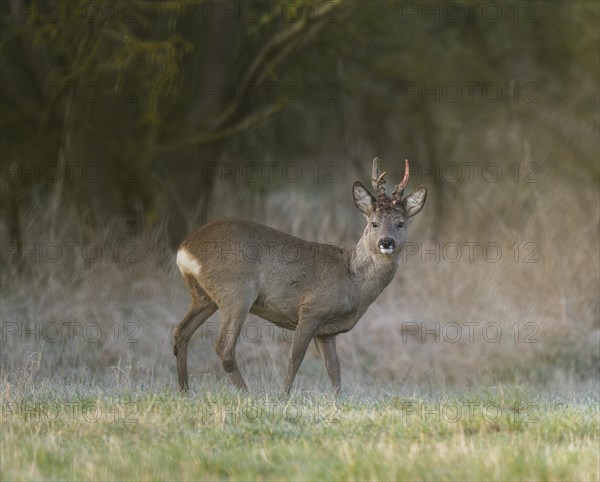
x,y
375,270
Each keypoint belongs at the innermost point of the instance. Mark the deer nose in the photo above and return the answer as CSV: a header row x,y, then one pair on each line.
x,y
387,245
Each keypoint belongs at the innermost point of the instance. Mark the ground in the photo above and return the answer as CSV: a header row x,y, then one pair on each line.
x,y
86,432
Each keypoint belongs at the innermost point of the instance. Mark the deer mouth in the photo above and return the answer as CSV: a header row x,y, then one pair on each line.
x,y
386,250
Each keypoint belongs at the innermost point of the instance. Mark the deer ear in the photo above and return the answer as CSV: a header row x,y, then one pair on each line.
x,y
363,199
415,201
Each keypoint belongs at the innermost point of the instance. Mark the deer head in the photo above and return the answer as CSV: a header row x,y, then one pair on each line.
x,y
387,216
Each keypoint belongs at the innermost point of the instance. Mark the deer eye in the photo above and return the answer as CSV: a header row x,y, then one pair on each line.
x,y
375,225
400,224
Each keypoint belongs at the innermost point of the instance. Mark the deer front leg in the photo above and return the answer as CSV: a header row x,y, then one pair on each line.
x,y
326,347
304,333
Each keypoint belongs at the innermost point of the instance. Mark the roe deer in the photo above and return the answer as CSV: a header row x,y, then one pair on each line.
x,y
318,290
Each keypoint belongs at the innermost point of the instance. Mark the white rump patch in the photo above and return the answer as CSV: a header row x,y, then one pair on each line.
x,y
187,263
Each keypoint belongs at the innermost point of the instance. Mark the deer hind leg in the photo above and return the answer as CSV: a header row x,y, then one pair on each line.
x,y
202,308
231,326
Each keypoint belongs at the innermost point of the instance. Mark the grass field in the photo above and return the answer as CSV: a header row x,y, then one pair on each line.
x,y
466,370
54,431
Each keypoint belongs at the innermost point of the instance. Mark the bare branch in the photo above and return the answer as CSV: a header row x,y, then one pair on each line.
x,y
243,125
270,56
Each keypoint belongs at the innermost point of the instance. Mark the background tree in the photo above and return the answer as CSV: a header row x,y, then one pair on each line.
x,y
154,94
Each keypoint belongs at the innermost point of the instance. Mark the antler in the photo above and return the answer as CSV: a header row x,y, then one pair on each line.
x,y
377,179
399,190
